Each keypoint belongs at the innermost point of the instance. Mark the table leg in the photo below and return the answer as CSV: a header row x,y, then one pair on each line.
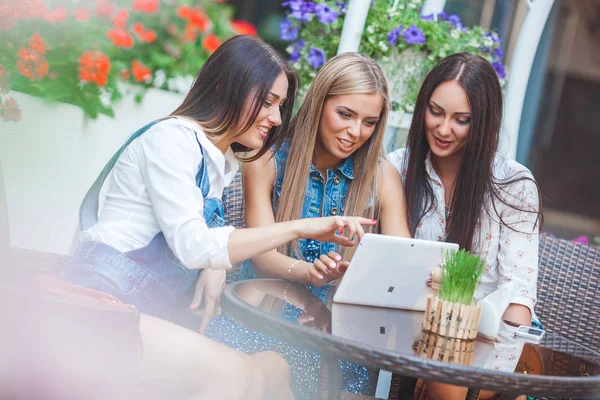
x,y
472,394
330,379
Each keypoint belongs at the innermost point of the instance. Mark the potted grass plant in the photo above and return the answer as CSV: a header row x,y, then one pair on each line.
x,y
452,318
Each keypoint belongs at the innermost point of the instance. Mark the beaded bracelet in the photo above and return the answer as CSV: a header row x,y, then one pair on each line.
x,y
290,270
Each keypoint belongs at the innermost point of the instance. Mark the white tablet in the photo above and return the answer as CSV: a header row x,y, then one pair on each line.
x,y
388,271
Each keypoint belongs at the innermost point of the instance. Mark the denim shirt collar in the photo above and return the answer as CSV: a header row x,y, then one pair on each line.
x,y
346,168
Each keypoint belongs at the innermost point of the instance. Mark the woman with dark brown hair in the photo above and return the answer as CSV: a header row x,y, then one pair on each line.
x,y
459,189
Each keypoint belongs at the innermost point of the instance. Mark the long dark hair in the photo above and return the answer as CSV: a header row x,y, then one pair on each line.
x,y
475,179
241,67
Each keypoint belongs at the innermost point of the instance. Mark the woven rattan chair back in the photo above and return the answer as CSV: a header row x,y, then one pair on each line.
x,y
569,290
234,215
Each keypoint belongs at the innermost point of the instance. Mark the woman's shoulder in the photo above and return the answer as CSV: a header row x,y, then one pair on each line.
x,y
397,158
174,130
506,169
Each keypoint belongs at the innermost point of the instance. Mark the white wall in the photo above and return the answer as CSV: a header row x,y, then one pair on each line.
x,y
51,157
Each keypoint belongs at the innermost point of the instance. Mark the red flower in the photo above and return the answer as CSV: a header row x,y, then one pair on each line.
x,y
145,6
104,8
37,43
141,73
124,74
81,14
58,15
10,110
211,43
190,34
120,20
94,67
32,64
120,38
194,17
243,28
143,34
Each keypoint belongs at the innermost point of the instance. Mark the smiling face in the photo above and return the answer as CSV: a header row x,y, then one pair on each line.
x,y
347,122
269,115
448,120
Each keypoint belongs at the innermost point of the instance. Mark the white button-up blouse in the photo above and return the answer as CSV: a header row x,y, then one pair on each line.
x,y
152,188
509,254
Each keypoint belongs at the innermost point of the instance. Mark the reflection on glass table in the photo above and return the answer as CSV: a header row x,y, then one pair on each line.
x,y
392,339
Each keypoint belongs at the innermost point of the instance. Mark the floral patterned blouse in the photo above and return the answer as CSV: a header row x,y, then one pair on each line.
x,y
510,254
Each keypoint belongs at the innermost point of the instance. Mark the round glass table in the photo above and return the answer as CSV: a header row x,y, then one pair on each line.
x,y
392,340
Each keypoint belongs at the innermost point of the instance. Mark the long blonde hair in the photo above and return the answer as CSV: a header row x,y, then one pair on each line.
x,y
345,74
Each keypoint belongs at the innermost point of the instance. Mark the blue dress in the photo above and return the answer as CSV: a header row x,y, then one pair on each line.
x,y
324,197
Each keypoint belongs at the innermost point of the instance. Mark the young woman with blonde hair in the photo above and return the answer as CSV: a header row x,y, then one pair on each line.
x,y
331,163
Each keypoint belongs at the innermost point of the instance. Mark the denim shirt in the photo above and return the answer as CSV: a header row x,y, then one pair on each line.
x,y
324,197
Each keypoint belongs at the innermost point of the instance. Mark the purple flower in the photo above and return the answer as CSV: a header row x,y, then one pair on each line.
x,y
498,53
316,57
494,37
325,14
455,20
414,35
295,55
287,31
582,239
443,16
300,9
341,5
394,35
499,67
427,17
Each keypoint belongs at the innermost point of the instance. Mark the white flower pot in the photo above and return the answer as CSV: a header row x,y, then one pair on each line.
x,y
51,157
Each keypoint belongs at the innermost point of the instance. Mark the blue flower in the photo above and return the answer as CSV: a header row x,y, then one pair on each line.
x,y
414,35
494,38
325,14
427,17
499,67
498,53
341,5
287,31
295,55
443,16
316,57
394,35
455,20
300,9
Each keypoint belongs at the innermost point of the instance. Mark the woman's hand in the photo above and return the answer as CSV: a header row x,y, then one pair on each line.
x,y
328,267
316,315
209,288
330,229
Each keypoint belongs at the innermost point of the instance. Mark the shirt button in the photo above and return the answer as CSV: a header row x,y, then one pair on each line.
x,y
334,211
336,180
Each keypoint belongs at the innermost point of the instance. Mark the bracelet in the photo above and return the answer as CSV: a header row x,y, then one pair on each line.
x,y
290,270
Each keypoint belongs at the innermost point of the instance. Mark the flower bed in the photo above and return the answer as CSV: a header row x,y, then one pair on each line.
x,y
393,28
78,52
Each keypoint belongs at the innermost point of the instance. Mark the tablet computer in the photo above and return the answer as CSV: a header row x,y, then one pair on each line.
x,y
389,271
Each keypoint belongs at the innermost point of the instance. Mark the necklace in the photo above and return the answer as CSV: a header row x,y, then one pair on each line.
x,y
448,212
